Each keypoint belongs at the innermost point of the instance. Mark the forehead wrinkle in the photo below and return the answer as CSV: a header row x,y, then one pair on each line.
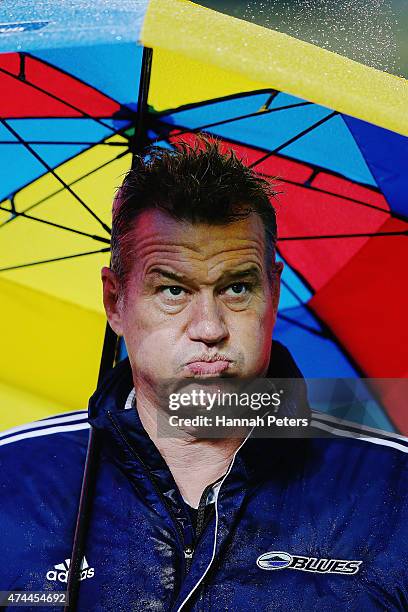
x,y
161,247
151,248
247,253
249,245
220,246
160,240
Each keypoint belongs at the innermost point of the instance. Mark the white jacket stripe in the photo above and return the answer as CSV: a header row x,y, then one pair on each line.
x,y
44,432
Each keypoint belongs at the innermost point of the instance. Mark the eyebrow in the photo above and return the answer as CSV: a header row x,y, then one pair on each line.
x,y
229,275
251,272
180,278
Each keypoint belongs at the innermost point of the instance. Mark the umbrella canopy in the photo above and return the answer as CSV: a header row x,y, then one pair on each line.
x,y
334,132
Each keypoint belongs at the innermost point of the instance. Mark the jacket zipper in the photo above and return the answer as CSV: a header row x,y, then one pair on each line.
x,y
200,525
185,600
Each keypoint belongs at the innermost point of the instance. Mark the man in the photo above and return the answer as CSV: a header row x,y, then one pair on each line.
x,y
188,522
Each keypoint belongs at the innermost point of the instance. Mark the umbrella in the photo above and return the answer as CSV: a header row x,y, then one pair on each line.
x,y
332,130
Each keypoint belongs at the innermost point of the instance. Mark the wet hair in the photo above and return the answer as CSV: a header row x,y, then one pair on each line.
x,y
198,183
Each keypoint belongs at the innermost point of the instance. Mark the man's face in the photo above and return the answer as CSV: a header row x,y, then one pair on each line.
x,y
198,301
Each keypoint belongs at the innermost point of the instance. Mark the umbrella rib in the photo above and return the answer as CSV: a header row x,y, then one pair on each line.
x,y
306,185
329,236
44,261
295,138
16,213
59,118
53,96
337,195
54,174
302,326
271,98
67,142
230,120
139,140
217,100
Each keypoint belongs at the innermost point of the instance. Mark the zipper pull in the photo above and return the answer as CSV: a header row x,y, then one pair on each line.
x,y
188,552
188,555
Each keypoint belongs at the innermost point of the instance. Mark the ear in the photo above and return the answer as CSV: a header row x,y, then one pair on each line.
x,y
275,284
112,299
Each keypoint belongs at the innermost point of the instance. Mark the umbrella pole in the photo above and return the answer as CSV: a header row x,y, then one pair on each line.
x,y
108,359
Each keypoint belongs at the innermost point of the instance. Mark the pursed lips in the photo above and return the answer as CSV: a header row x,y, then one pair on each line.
x,y
208,364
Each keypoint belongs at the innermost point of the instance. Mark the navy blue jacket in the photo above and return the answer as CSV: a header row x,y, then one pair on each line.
x,y
312,524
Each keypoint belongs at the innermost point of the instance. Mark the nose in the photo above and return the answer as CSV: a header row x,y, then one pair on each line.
x,y
207,323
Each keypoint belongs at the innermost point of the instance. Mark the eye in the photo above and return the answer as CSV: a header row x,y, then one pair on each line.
x,y
172,291
237,290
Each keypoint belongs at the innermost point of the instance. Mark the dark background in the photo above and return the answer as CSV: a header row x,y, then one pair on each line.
x,y
373,32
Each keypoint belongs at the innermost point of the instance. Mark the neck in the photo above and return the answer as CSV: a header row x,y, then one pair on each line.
x,y
194,462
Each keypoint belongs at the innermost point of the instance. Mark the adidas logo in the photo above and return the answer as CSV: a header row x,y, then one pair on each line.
x,y
60,571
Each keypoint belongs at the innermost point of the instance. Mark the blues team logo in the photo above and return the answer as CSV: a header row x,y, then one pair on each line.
x,y
276,560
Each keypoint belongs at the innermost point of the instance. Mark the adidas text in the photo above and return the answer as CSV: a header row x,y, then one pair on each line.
x,y
60,571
